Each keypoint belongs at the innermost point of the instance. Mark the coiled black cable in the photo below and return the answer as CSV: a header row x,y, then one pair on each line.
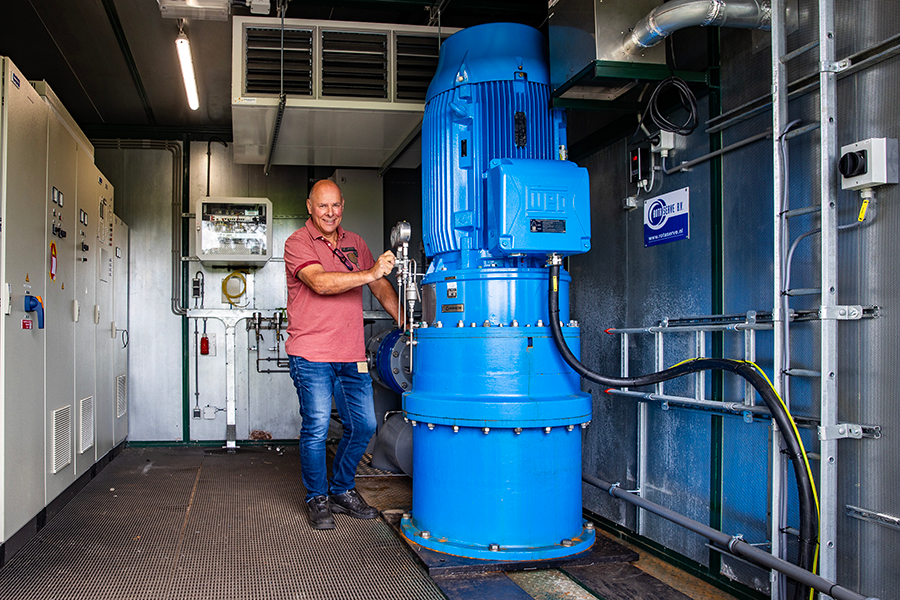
x,y
809,519
688,101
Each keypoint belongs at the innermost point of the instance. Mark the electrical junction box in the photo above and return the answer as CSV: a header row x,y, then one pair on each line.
x,y
234,232
869,163
537,206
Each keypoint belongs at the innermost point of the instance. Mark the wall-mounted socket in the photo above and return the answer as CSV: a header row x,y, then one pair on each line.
x,y
664,142
869,163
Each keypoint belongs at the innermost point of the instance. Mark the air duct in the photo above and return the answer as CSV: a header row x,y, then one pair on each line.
x,y
679,14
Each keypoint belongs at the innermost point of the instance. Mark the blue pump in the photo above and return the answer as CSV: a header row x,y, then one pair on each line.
x,y
497,414
35,304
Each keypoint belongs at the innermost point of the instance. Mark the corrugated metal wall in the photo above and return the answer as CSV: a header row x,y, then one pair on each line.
x,y
622,284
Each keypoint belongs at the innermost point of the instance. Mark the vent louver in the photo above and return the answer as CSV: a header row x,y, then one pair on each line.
x,y
354,65
86,418
354,92
417,59
263,61
62,438
121,395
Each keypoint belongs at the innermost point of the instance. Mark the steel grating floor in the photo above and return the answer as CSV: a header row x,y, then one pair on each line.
x,y
189,523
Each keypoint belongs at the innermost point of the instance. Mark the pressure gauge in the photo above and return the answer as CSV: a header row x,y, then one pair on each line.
x,y
400,234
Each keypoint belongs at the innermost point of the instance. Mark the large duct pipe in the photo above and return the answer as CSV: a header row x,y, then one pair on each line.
x,y
678,14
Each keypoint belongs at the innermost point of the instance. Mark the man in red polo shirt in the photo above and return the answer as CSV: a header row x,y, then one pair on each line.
x,y
326,268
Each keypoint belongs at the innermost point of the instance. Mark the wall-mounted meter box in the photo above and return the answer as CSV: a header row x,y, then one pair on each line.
x,y
234,231
537,207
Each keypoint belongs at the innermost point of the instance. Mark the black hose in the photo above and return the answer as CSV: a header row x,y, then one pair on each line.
x,y
809,520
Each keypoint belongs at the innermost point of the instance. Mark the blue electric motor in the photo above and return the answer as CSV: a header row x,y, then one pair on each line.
x,y
497,414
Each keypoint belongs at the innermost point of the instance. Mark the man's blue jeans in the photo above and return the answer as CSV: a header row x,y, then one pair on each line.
x,y
352,390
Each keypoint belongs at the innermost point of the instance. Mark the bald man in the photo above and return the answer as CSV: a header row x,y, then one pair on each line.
x,y
326,268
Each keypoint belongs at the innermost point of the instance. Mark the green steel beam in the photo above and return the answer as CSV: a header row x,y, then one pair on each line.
x,y
717,272
607,73
185,333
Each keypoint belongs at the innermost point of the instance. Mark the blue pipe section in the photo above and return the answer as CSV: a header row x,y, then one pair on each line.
x,y
497,414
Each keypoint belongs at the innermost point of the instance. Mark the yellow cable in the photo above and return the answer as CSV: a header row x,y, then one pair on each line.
x,y
802,451
230,298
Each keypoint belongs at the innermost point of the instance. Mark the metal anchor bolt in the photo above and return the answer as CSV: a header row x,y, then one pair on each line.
x,y
567,543
518,430
456,429
494,547
485,430
425,535
414,423
589,526
547,429
431,426
570,427
405,516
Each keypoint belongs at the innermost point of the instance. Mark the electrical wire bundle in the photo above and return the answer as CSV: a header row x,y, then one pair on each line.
x,y
688,101
809,503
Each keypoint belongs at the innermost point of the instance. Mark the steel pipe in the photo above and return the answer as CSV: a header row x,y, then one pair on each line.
x,y
679,14
734,544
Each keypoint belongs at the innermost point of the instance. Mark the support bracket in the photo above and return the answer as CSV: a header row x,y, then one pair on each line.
x,y
834,67
852,312
849,430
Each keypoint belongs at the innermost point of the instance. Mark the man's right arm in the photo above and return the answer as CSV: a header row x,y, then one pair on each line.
x,y
329,283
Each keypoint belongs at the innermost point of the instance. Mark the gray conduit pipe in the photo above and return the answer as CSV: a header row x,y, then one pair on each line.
x,y
678,14
177,157
734,544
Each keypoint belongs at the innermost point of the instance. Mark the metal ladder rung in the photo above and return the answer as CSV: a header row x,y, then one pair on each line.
x,y
796,212
799,51
802,373
803,292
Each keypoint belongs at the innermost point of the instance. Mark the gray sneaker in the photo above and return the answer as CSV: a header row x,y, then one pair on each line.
x,y
319,513
352,503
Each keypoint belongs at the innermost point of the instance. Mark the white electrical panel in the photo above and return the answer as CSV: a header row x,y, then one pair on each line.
x,y
234,231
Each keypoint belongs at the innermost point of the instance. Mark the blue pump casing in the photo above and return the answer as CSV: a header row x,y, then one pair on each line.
x,y
497,414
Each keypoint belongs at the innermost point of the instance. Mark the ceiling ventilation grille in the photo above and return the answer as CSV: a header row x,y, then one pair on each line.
x,y
263,64
354,92
354,65
417,58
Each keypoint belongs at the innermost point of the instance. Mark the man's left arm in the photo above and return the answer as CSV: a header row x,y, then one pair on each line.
x,y
387,296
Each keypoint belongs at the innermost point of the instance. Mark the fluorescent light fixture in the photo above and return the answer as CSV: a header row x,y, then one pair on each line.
x,y
187,70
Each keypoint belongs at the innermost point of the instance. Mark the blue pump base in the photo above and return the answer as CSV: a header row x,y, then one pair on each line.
x,y
575,545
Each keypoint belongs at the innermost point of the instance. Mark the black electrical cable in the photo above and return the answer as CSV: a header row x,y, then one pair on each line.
x,y
809,520
688,101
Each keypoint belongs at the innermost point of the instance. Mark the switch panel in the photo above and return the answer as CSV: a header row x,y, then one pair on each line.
x,y
869,163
